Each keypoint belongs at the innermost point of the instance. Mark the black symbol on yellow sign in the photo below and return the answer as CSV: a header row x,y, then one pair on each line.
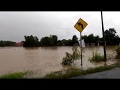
x,y
80,24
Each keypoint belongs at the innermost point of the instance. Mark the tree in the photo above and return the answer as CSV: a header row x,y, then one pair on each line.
x,y
69,42
45,41
49,41
36,40
85,37
74,39
96,39
116,40
91,38
110,36
54,40
64,41
31,41
59,43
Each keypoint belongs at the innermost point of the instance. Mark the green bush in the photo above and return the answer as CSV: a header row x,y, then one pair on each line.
x,y
97,57
70,58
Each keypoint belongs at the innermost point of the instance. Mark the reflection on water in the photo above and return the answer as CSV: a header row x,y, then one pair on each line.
x,y
44,59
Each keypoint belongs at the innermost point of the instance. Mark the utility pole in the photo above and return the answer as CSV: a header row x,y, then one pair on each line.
x,y
103,37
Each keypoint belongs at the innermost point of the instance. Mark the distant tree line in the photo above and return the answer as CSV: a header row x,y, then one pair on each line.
x,y
110,37
32,41
52,40
6,43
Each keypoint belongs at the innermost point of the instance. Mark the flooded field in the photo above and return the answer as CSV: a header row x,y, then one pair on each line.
x,y
44,59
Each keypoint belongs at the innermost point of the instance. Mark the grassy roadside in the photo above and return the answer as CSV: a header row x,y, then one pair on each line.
x,y
15,75
77,72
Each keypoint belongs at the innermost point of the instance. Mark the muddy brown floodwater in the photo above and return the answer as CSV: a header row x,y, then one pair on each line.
x,y
44,59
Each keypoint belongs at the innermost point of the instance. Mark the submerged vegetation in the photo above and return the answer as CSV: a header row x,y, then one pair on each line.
x,y
70,58
96,57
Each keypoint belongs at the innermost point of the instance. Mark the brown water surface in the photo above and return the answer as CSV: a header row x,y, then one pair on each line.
x,y
44,59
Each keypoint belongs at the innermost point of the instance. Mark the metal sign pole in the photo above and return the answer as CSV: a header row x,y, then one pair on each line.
x,y
81,47
80,25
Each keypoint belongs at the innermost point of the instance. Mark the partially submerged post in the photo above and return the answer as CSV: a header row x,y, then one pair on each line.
x,y
104,47
80,25
81,46
98,44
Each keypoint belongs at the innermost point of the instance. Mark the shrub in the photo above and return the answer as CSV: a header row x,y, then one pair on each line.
x,y
70,58
97,57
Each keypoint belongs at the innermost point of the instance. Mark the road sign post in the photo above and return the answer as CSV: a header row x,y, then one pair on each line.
x,y
80,25
81,46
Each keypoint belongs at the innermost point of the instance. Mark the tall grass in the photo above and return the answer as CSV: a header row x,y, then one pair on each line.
x,y
15,75
96,57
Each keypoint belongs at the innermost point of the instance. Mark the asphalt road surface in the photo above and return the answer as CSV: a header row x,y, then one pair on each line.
x,y
109,74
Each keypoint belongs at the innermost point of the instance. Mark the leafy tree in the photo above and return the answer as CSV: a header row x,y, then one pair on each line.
x,y
69,42
54,40
64,42
85,37
49,41
91,38
110,36
59,43
45,41
96,39
74,39
31,41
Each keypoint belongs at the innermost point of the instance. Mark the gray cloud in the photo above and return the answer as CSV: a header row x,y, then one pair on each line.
x,y
14,25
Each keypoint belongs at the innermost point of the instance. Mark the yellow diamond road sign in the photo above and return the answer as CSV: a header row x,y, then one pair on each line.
x,y
80,25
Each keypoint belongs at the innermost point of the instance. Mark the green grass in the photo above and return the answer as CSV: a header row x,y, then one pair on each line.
x,y
15,75
77,72
97,57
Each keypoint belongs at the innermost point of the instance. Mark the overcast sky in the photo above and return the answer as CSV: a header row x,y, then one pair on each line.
x,y
15,25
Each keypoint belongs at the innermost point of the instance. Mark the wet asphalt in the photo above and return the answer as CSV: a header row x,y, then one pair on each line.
x,y
109,74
